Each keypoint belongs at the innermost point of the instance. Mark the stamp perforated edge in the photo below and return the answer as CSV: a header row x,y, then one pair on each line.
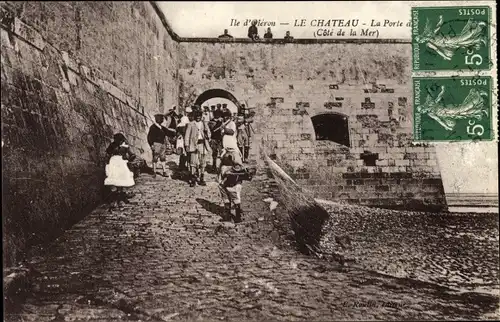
x,y
416,134
491,29
493,72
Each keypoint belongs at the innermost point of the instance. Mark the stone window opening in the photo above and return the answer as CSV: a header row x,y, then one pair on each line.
x,y
332,127
369,158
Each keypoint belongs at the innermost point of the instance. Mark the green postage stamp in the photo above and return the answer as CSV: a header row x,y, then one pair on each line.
x,y
456,108
451,38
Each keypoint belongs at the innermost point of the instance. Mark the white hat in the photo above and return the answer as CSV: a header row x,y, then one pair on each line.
x,y
236,153
184,121
188,110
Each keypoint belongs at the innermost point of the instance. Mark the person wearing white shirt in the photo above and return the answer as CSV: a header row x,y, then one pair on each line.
x,y
185,118
181,130
197,146
229,130
206,114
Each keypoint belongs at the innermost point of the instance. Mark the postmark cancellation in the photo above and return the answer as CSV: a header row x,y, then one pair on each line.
x,y
456,108
451,38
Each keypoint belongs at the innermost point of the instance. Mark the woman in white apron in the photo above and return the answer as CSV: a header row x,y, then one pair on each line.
x,y
117,171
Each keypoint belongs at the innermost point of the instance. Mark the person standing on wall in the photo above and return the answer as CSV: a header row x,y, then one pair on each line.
x,y
225,35
268,34
253,32
196,142
157,140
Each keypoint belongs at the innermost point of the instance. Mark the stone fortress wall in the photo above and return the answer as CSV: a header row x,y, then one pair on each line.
x,y
74,73
366,84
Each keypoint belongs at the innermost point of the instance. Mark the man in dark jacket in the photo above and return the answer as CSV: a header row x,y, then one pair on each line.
x,y
171,121
157,138
213,112
216,140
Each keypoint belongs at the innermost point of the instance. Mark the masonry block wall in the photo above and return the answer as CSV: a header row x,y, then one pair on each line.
x,y
368,84
73,74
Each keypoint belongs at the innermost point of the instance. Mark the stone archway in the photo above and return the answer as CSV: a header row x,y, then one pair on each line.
x,y
213,96
332,127
216,92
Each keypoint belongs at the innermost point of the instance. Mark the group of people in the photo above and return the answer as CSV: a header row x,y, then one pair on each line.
x,y
253,33
195,136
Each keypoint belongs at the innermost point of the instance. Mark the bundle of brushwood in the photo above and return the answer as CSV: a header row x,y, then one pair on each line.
x,y
307,217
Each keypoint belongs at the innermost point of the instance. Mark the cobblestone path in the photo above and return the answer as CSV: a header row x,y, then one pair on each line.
x,y
167,257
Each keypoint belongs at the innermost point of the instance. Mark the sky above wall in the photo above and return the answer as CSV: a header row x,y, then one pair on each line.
x,y
301,18
209,19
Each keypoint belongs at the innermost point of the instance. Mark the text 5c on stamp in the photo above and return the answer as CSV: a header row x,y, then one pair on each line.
x,y
451,38
452,109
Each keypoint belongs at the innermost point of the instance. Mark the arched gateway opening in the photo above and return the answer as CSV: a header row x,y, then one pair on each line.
x,y
218,96
332,127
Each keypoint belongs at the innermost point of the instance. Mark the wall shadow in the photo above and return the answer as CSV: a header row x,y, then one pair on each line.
x,y
211,207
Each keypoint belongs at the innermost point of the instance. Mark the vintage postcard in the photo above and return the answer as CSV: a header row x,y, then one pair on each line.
x,y
249,161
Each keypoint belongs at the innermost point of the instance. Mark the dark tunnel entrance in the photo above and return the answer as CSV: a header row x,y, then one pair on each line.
x,y
332,127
